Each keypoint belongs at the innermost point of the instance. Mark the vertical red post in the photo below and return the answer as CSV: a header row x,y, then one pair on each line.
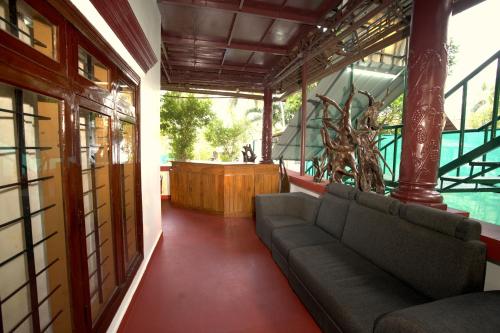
x,y
303,121
423,116
267,126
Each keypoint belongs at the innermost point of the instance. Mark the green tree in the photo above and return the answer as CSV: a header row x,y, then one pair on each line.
x,y
228,138
181,116
393,113
453,48
482,111
281,116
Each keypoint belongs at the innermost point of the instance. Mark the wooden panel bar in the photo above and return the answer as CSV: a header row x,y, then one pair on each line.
x,y
221,188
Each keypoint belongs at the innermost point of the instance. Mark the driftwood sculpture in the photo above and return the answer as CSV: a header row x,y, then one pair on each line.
x,y
371,176
340,151
351,152
248,154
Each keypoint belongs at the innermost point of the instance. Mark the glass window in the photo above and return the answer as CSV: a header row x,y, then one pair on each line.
x,y
126,93
95,159
34,294
127,177
90,68
25,23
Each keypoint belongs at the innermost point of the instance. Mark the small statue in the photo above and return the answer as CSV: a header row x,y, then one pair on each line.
x,y
248,154
284,181
320,166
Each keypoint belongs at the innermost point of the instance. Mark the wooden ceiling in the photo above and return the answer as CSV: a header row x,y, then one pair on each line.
x,y
245,45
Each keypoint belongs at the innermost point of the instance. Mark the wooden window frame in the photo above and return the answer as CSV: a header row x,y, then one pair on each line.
x,y
26,68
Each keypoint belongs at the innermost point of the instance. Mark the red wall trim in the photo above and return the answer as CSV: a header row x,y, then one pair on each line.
x,y
306,182
120,17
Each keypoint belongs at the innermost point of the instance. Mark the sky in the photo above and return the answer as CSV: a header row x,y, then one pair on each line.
x,y
476,33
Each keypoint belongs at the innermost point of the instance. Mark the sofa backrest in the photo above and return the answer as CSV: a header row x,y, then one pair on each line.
x,y
435,252
334,207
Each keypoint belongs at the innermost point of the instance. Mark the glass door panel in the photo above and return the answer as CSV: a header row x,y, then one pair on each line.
x,y
127,179
34,294
95,160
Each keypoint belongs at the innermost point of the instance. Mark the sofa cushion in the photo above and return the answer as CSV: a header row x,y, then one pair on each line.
x,y
333,208
272,222
341,190
435,264
449,224
286,239
332,214
351,290
379,202
470,313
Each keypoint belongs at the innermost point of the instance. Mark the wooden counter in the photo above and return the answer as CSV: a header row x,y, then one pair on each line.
x,y
221,188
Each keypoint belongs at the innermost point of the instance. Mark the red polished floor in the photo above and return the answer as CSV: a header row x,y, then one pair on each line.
x,y
210,274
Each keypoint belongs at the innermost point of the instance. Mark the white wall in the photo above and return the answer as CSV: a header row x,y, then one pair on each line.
x,y
149,17
492,277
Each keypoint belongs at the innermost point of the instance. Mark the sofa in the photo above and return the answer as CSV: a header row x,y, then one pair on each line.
x,y
363,262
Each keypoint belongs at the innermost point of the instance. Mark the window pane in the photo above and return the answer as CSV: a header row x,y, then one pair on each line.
x,y
126,93
95,153
127,175
32,227
91,69
30,27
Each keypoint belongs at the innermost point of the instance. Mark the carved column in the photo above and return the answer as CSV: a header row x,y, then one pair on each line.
x,y
267,126
423,117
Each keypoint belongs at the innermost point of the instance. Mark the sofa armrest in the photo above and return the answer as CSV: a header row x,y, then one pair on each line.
x,y
296,204
477,312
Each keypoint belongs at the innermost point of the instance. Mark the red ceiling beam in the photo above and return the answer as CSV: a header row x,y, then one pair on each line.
x,y
170,87
261,9
191,64
176,41
213,77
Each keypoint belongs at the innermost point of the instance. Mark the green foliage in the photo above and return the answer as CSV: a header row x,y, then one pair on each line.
x,y
228,138
181,116
281,118
453,48
393,113
483,110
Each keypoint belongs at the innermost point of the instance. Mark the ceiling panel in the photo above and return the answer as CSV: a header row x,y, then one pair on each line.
x,y
281,33
237,56
263,59
304,4
250,28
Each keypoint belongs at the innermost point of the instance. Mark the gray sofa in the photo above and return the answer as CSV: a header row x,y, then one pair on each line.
x,y
362,262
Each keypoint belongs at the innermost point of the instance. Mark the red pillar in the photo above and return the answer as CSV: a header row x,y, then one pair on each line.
x,y
267,126
303,121
423,117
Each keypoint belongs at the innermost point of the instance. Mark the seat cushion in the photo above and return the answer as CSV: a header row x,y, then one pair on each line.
x,y
469,313
272,222
286,239
350,289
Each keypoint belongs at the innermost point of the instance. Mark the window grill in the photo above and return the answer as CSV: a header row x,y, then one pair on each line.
x,y
32,220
